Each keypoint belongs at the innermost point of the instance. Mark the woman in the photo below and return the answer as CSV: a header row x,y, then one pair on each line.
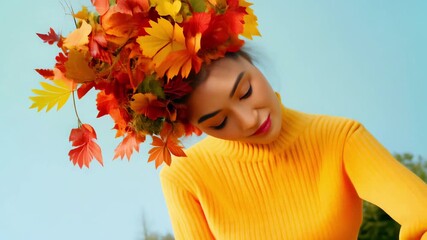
x,y
265,171
269,172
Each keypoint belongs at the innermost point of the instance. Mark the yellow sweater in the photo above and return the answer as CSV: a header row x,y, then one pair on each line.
x,y
308,184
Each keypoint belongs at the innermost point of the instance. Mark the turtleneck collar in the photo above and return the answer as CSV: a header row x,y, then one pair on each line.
x,y
293,123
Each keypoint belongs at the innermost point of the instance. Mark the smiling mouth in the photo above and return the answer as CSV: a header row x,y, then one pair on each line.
x,y
265,126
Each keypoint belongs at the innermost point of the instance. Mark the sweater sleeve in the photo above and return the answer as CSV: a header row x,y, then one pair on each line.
x,y
383,181
186,214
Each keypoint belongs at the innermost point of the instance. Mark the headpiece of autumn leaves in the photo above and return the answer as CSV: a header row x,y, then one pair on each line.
x,y
138,55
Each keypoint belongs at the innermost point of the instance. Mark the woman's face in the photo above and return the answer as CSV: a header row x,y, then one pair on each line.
x,y
236,102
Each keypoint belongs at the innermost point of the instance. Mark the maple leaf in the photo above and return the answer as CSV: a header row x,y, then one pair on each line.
x,y
77,67
162,38
79,37
46,73
51,37
162,150
101,6
177,88
55,94
183,60
251,26
83,139
148,105
235,19
129,143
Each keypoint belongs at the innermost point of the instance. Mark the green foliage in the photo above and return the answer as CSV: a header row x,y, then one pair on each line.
x,y
377,225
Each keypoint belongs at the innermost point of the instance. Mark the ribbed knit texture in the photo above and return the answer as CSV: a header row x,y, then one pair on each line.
x,y
307,184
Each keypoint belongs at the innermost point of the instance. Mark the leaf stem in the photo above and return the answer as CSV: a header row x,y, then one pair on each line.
x,y
79,122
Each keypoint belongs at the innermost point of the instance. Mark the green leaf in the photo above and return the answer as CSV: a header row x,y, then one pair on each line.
x,y
198,5
151,85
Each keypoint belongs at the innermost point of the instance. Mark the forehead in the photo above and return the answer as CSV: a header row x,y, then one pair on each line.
x,y
214,90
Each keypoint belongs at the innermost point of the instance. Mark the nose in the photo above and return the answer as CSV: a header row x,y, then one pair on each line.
x,y
247,118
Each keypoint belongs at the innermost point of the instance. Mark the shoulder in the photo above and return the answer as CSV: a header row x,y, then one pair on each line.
x,y
326,128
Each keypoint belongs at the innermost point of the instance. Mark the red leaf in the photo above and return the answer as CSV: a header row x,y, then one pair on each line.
x,y
83,139
129,143
108,104
177,88
198,23
84,88
51,37
46,73
61,59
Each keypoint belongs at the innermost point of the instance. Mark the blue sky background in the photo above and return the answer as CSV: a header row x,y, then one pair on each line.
x,y
365,60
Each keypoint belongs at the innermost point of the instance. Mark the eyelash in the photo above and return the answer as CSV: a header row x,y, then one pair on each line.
x,y
247,94
221,125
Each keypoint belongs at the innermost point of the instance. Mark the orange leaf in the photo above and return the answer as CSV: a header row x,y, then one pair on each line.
x,y
79,37
182,61
101,6
129,143
83,139
77,68
161,152
147,104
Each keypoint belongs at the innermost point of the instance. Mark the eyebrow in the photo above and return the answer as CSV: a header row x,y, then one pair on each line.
x,y
236,83
233,90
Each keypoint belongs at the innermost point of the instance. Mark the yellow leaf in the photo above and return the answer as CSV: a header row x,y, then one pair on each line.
x,y
83,14
162,39
251,24
51,95
79,37
77,68
167,8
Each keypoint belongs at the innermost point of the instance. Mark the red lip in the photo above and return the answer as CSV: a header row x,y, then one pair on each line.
x,y
265,126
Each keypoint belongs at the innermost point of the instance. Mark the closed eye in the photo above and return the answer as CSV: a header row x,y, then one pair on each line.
x,y
247,94
221,125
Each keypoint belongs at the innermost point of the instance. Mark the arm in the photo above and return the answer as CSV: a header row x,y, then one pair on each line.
x,y
187,217
383,181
